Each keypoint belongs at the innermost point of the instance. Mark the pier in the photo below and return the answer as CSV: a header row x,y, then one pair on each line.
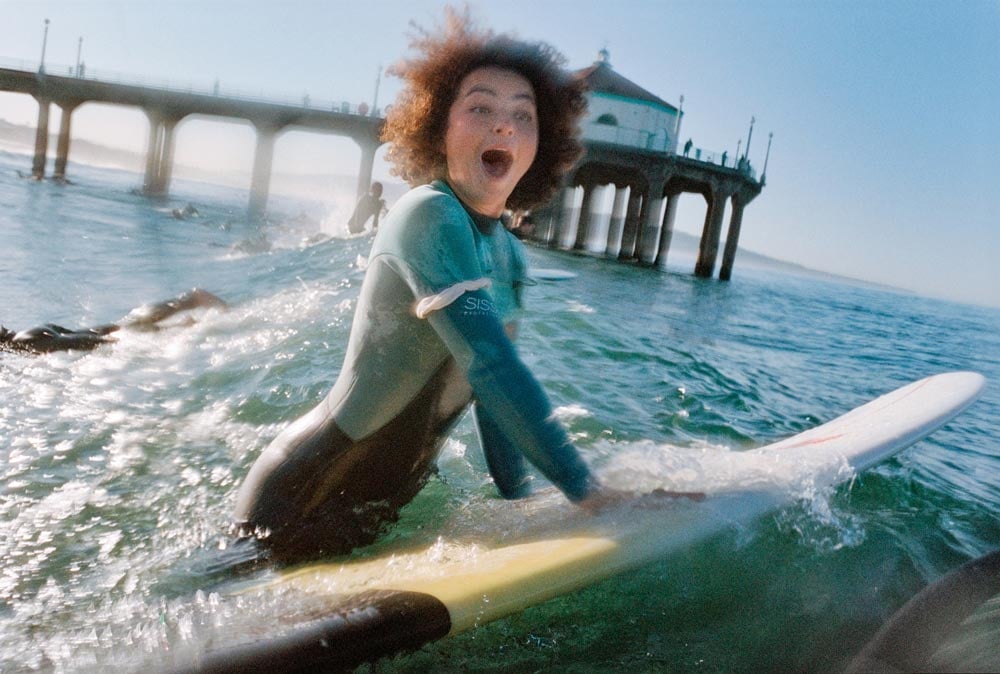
x,y
165,108
647,187
631,140
630,135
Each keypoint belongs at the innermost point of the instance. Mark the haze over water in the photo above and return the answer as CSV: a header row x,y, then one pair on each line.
x,y
120,466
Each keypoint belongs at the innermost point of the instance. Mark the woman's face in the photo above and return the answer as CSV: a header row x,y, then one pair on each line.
x,y
491,139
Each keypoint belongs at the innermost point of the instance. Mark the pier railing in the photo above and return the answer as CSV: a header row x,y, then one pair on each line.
x,y
717,158
214,89
660,143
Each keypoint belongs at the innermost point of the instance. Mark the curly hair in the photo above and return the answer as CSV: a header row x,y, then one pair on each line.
x,y
417,122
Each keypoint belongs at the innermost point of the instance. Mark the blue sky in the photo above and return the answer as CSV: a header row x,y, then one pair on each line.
x,y
885,116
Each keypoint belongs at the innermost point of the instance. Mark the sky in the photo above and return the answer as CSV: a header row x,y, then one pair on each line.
x,y
885,114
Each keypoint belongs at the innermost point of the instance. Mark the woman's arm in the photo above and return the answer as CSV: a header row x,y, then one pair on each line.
x,y
505,389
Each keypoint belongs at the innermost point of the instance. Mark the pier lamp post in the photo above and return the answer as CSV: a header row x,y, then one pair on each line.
x,y
79,48
746,153
680,113
767,155
45,39
378,80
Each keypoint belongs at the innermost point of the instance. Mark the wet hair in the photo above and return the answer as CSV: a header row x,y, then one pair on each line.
x,y
417,122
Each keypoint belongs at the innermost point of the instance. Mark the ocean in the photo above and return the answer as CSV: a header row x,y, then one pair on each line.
x,y
120,466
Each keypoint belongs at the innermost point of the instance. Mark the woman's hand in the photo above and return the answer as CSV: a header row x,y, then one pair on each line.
x,y
603,498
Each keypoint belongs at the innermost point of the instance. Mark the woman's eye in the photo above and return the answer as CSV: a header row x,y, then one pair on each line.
x,y
524,116
480,110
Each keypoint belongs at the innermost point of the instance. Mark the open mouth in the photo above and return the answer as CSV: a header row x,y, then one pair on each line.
x,y
497,162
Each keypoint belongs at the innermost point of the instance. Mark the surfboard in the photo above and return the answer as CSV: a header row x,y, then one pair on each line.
x,y
381,606
542,274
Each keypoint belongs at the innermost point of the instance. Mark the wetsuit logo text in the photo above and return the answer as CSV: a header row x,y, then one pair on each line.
x,y
479,305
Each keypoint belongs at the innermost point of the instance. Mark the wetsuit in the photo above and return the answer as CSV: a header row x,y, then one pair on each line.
x,y
51,337
368,206
428,337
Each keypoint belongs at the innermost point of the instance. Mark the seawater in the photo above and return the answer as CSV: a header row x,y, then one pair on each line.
x,y
120,466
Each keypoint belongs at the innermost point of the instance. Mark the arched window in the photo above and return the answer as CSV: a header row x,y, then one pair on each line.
x,y
607,118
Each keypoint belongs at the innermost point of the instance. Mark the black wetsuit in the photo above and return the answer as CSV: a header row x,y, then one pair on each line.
x,y
369,206
51,337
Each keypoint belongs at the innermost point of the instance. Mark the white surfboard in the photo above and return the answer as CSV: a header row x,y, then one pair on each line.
x,y
543,274
401,601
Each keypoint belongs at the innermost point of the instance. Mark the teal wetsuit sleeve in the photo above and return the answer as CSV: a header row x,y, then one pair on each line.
x,y
504,460
431,244
507,391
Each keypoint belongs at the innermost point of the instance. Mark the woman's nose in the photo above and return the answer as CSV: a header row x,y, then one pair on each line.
x,y
504,126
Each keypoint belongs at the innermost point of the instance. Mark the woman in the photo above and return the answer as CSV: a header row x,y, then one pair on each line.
x,y
486,123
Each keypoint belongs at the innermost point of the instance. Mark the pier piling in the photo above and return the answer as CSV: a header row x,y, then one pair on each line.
x,y
41,140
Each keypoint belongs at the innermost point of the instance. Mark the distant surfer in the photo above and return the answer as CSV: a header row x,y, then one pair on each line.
x,y
185,213
51,337
486,123
369,207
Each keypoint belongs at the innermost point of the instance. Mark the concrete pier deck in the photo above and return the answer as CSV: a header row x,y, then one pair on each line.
x,y
166,107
